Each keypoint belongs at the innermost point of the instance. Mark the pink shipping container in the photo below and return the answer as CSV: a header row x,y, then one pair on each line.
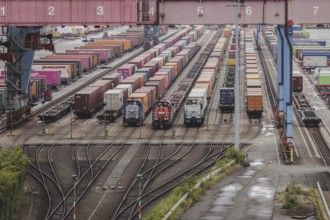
x,y
53,77
126,70
103,54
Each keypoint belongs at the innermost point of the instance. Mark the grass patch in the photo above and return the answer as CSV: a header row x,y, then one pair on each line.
x,y
299,201
164,206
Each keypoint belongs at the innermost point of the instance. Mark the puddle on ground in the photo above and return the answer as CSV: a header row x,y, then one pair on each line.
x,y
262,191
268,134
260,211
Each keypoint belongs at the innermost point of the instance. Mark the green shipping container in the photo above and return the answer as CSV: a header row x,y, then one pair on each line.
x,y
324,78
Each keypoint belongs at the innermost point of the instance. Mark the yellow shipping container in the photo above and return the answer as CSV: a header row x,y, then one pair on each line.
x,y
231,62
127,43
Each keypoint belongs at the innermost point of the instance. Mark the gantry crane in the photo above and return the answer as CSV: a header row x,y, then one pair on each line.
x,y
17,50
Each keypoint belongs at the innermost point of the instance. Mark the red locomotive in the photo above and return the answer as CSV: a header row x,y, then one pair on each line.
x,y
162,114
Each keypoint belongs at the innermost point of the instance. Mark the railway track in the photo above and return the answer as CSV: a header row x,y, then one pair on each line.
x,y
315,132
70,93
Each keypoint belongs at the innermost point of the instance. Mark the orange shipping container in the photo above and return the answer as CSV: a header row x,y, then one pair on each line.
x,y
127,43
144,99
254,101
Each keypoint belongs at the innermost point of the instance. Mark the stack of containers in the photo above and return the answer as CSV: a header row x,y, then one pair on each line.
x,y
53,77
104,86
254,106
114,77
150,91
145,98
158,72
127,90
134,81
159,84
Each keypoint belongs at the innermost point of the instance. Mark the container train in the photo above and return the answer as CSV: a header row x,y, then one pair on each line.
x,y
197,101
146,77
253,91
305,111
52,71
164,111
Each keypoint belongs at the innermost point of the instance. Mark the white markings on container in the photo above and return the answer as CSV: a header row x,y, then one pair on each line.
x,y
100,10
316,8
3,11
200,10
51,11
248,10
152,11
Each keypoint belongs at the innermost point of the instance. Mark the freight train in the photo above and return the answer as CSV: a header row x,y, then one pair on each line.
x,y
52,71
253,91
197,101
146,77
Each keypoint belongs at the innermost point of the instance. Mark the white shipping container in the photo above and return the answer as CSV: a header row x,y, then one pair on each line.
x,y
315,61
113,100
199,93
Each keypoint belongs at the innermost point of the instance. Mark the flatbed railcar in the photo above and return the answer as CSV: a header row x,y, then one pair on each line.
x,y
57,112
306,112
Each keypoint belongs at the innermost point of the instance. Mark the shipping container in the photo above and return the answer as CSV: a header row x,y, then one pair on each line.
x,y
104,86
113,100
126,70
53,77
127,90
87,102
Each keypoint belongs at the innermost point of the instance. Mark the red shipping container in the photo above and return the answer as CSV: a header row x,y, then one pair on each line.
x,y
105,85
87,101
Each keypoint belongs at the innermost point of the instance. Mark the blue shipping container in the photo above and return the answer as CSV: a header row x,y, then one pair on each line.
x,y
227,99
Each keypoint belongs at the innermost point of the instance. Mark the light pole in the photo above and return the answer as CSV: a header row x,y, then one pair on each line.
x,y
105,125
43,117
11,118
141,124
74,178
140,178
237,76
71,135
